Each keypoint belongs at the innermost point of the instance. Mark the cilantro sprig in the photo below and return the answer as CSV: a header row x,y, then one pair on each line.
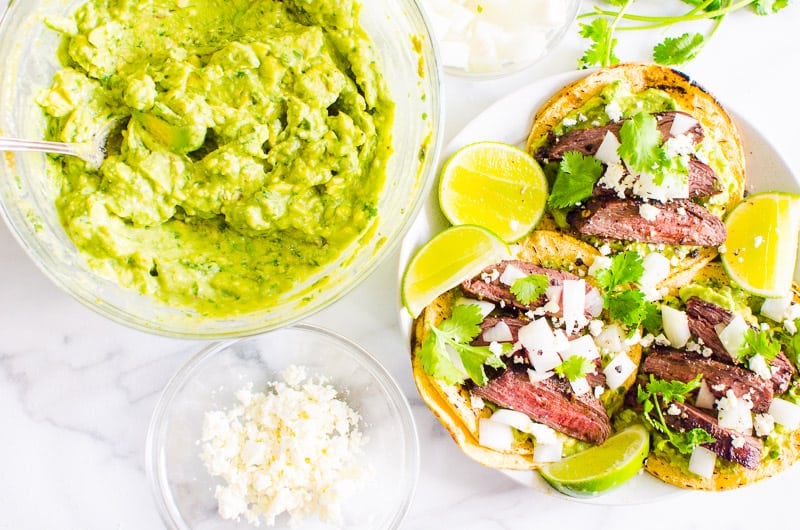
x,y
658,392
621,297
758,342
575,367
604,25
577,175
457,332
643,150
530,288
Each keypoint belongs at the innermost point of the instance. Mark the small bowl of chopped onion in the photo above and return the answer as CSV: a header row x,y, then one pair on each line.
x,y
296,428
488,39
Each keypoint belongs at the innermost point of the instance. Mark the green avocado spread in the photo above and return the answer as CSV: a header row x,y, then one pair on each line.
x,y
253,144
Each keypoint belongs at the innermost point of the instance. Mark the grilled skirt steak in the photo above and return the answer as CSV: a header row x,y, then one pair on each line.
x,y
679,222
675,365
748,452
550,402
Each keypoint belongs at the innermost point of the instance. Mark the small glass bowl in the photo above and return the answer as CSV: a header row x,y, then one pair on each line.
x,y
508,41
183,488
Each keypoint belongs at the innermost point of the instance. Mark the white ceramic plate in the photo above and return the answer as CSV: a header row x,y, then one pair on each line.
x,y
509,120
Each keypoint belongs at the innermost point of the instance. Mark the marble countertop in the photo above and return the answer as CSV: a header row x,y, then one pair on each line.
x,y
77,390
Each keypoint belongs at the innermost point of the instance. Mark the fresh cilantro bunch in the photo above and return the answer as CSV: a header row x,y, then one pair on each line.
x,y
457,332
604,24
623,300
657,392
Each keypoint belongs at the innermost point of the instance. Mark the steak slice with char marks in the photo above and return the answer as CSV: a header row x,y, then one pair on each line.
x,y
587,141
675,365
679,222
747,453
550,402
704,316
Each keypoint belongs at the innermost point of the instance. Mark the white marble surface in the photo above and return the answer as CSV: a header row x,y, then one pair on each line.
x,y
76,390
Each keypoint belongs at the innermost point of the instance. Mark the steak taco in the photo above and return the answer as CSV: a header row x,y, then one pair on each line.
x,y
639,156
522,364
719,388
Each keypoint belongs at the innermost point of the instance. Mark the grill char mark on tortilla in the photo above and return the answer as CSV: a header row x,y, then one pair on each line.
x,y
679,222
550,402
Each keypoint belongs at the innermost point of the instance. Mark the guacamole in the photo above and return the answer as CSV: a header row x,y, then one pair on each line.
x,y
253,145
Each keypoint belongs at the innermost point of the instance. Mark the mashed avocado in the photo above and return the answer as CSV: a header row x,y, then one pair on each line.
x,y
253,149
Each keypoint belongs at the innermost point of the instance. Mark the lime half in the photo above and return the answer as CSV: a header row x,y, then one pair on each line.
x,y
761,249
450,257
495,185
600,468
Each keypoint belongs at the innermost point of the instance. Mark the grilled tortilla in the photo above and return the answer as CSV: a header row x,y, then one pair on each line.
x,y
781,449
652,88
453,405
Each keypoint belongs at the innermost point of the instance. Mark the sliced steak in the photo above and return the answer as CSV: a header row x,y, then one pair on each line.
x,y
586,141
703,318
747,450
550,402
702,183
483,287
782,373
675,365
679,222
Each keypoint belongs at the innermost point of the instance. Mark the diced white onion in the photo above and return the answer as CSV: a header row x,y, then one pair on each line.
x,y
512,418
573,299
618,371
705,398
758,364
543,433
676,326
775,308
553,294
681,124
702,461
536,335
484,306
607,152
785,413
544,360
454,53
560,340
548,452
495,435
500,332
580,386
611,339
594,302
511,274
732,335
535,376
583,346
656,268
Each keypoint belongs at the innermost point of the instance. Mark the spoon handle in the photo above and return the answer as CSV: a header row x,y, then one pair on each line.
x,y
84,151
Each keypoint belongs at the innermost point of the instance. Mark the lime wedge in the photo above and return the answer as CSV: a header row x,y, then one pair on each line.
x,y
600,468
761,249
450,257
495,185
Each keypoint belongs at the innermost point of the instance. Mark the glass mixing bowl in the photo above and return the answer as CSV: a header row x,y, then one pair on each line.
x,y
28,53
184,490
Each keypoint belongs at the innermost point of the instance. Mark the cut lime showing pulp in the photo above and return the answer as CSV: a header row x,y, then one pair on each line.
x,y
450,257
495,185
761,249
600,468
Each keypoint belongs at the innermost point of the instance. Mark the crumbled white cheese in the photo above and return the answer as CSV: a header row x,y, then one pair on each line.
x,y
595,327
735,413
476,402
569,122
649,212
737,441
616,179
613,110
764,424
673,410
681,145
296,448
605,249
759,365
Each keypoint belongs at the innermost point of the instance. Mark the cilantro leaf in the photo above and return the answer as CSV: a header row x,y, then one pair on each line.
x,y
456,332
678,50
630,307
640,143
790,343
626,267
577,174
601,51
759,342
767,7
574,367
659,391
530,288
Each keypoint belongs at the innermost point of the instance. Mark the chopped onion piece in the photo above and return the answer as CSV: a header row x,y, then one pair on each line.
x,y
676,326
785,413
500,332
775,308
607,152
705,398
553,294
580,386
758,364
681,124
583,346
512,418
594,302
618,371
573,299
544,360
732,335
656,269
548,452
535,376
611,339
543,433
511,274
495,435
702,461
536,335
484,306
